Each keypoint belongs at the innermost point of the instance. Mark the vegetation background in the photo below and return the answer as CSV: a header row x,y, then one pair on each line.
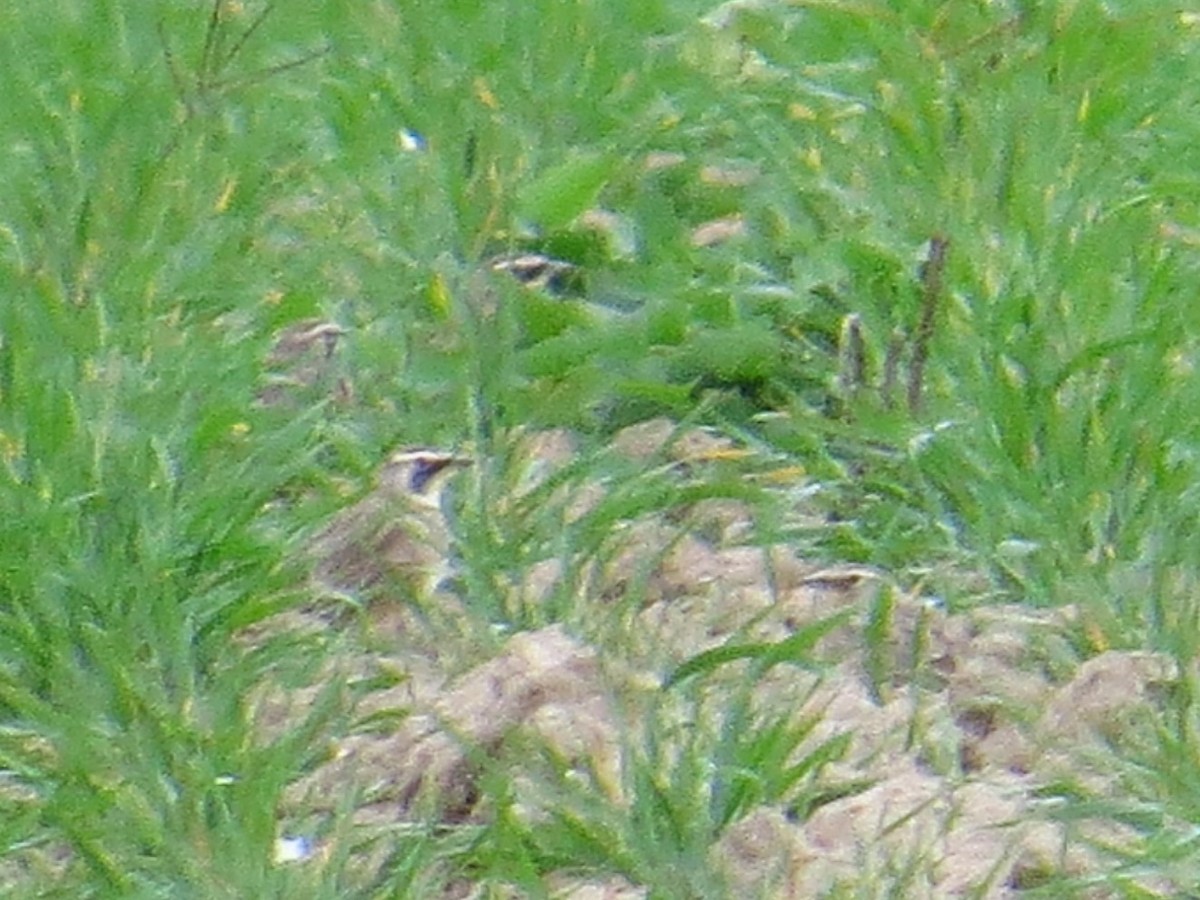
x,y
180,180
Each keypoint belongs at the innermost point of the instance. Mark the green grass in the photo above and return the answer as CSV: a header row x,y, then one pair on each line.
x,y
181,180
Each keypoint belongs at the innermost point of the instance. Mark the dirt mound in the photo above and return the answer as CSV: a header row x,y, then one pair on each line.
x,y
948,725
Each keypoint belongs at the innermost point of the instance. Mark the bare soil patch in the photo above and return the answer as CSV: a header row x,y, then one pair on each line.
x,y
953,723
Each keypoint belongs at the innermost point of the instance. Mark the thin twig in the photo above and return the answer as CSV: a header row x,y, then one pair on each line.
x,y
891,367
234,84
176,77
852,376
246,35
931,291
210,41
207,82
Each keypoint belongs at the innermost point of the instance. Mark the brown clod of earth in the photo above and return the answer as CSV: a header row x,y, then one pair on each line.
x,y
544,682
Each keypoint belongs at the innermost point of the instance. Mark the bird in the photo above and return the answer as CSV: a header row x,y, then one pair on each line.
x,y
309,338
537,271
301,365
396,538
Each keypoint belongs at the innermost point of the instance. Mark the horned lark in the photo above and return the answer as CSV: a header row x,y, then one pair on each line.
x,y
301,363
395,537
539,272
600,296
308,339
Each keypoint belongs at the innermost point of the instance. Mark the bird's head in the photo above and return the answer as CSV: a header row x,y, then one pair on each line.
x,y
420,474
